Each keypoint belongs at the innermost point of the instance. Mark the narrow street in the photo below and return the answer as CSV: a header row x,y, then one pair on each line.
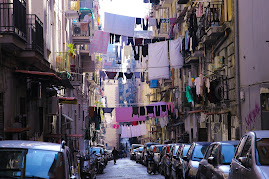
x,y
127,169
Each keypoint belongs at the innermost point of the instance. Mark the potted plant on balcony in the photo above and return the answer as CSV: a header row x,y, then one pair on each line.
x,y
71,51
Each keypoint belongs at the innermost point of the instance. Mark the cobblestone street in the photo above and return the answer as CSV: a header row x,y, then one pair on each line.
x,y
127,169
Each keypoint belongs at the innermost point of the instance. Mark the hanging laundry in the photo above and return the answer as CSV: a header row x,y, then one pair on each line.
x,y
102,75
133,132
198,84
145,24
152,22
99,43
117,38
91,112
158,23
120,75
143,129
130,41
142,111
157,111
170,106
84,27
155,40
108,110
164,20
172,21
137,21
138,41
127,51
135,111
186,41
136,52
145,50
140,52
111,75
138,130
150,110
124,114
158,64
128,132
118,24
176,59
128,75
111,38
116,126
188,94
147,41
134,123
153,84
142,76
137,74
123,132
123,40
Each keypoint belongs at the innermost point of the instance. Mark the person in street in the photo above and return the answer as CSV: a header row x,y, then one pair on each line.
x,y
115,154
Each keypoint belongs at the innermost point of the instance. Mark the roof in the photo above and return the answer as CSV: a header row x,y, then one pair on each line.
x,y
30,145
261,134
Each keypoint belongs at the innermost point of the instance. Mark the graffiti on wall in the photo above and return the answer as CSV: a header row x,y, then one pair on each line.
x,y
252,117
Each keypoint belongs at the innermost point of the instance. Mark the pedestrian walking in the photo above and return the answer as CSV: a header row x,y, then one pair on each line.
x,y
115,155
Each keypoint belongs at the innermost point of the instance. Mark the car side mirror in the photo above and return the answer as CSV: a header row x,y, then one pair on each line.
x,y
93,152
245,161
212,160
185,158
175,157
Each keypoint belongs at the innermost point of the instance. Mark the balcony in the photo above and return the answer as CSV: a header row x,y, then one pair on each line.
x,y
72,9
77,77
13,24
81,33
212,22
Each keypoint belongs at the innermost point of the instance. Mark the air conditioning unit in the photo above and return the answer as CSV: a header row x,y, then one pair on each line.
x,y
218,61
53,106
76,30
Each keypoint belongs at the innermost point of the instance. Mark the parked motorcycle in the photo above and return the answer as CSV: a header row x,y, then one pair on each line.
x,y
87,166
100,164
152,166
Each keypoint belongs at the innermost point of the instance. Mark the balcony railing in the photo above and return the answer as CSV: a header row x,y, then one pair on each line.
x,y
81,29
213,15
13,17
35,40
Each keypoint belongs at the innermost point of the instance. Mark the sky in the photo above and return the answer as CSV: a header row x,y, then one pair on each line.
x,y
133,8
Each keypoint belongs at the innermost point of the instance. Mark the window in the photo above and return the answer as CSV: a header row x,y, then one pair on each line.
x,y
239,147
262,151
190,151
199,152
227,153
208,153
246,148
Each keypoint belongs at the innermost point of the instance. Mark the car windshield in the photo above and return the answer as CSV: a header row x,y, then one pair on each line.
x,y
140,149
199,152
160,149
175,151
151,148
39,163
262,151
97,150
185,150
227,153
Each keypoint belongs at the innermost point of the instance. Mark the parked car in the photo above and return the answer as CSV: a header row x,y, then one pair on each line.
x,y
169,158
134,146
251,159
194,155
217,160
32,159
134,153
164,157
144,152
177,161
139,155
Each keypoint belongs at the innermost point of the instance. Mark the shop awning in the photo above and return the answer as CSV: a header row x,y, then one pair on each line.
x,y
45,75
67,117
68,100
197,111
16,130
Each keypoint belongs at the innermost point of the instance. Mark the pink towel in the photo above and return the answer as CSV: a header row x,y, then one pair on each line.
x,y
124,114
84,26
100,42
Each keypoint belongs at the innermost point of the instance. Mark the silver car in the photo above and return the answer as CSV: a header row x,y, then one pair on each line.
x,y
32,159
251,159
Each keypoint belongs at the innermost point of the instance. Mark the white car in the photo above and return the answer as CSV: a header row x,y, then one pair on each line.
x,y
32,159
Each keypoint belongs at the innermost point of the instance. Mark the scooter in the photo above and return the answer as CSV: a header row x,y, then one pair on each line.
x,y
152,166
86,166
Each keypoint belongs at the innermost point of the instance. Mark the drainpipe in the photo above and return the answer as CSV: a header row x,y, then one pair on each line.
x,y
237,70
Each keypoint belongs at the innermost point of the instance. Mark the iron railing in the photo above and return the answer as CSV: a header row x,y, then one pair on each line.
x,y
13,17
35,40
213,14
